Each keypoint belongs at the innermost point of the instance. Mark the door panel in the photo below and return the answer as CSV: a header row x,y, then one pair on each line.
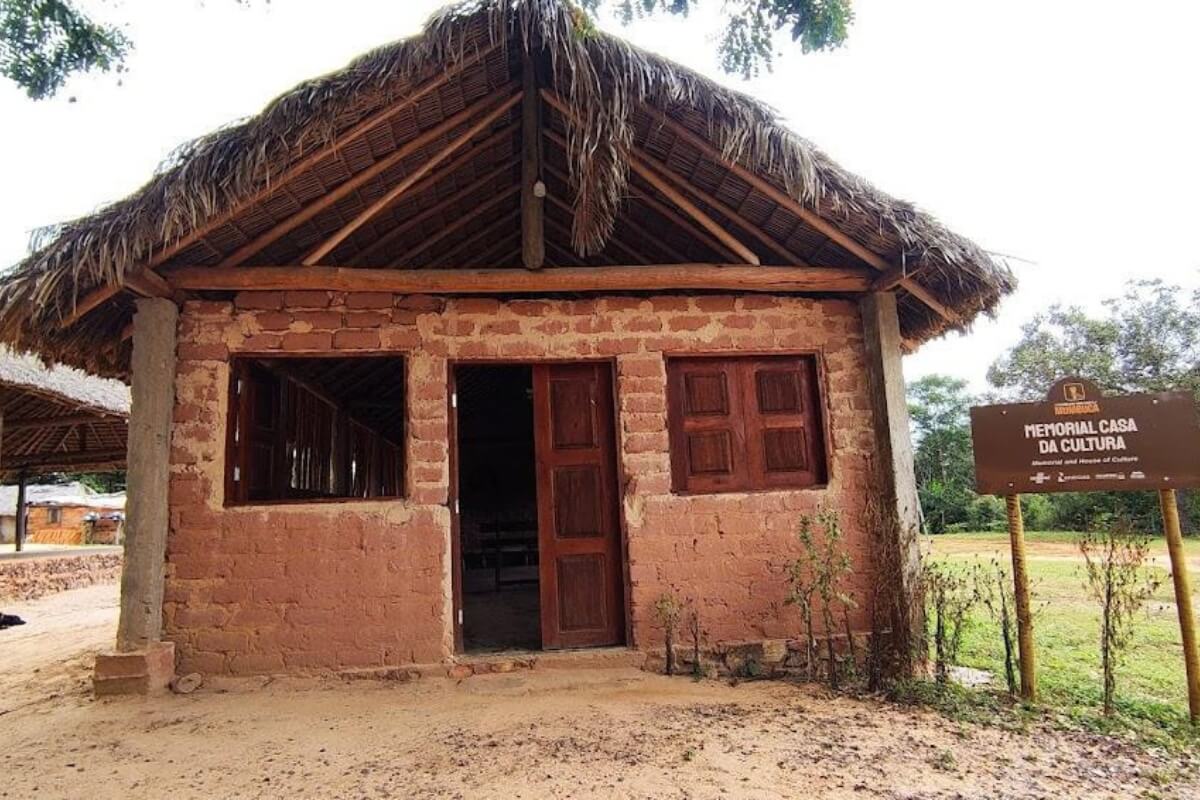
x,y
578,528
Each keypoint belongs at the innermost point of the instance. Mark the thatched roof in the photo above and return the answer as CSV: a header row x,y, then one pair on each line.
x,y
59,419
217,200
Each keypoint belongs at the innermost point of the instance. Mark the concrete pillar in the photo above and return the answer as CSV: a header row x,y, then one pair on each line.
x,y
148,473
896,479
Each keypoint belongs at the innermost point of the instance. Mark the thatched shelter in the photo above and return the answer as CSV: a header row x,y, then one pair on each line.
x,y
488,341
245,194
58,419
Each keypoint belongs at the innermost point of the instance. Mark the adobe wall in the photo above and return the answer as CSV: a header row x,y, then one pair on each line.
x,y
367,583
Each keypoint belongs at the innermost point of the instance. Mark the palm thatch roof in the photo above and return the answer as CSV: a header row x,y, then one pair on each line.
x,y
327,153
59,419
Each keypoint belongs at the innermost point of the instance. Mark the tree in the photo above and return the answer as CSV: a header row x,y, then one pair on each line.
x,y
747,43
945,469
1147,340
44,42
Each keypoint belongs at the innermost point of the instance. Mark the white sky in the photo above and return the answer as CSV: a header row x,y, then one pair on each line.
x,y
1061,132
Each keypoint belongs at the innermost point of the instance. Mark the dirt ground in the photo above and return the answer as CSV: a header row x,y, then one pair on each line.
x,y
547,733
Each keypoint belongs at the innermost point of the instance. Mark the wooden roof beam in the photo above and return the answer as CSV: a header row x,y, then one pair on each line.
x,y
533,190
754,230
397,191
810,217
454,227
925,296
634,257
657,241
103,294
669,213
469,280
325,201
36,423
506,221
383,241
650,175
727,239
891,278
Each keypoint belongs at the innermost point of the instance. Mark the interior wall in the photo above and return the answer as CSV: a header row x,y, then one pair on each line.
x,y
367,583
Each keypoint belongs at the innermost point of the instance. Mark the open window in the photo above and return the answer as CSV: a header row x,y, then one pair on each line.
x,y
305,429
743,424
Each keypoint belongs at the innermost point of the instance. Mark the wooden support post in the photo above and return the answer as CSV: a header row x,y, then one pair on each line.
x,y
533,190
1016,535
19,531
153,378
896,479
1183,598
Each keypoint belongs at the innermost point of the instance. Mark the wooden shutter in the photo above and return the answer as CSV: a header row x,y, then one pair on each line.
x,y
256,451
785,447
740,424
707,437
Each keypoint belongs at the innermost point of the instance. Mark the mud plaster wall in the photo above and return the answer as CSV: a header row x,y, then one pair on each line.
x,y
367,583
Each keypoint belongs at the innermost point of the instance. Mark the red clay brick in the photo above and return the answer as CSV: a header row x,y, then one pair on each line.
x,y
320,320
356,340
306,299
369,300
274,320
252,301
307,341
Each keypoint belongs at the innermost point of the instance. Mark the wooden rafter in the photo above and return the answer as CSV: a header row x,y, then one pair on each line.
x,y
727,239
566,254
275,232
670,214
102,294
893,277
650,175
37,423
533,191
469,280
810,217
925,296
657,241
148,284
457,225
633,256
489,231
397,191
503,247
733,214
412,222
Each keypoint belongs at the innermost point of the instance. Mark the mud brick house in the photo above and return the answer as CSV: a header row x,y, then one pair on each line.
x,y
485,342
71,516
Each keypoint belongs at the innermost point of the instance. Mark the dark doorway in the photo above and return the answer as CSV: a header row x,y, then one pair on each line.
x,y
540,562
498,514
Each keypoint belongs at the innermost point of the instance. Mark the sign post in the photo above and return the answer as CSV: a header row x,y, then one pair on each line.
x,y
1079,441
1183,597
1025,651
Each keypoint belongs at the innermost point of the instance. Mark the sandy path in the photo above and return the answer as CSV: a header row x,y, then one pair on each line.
x,y
52,651
599,733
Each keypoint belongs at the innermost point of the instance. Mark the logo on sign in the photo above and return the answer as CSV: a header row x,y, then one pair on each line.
x,y
1074,392
1040,478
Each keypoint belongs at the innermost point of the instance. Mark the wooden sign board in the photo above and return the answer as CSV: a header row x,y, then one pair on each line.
x,y
1080,441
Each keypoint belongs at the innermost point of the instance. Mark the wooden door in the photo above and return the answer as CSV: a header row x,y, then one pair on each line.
x,y
579,543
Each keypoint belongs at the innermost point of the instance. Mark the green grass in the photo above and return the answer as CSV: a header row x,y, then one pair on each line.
x,y
1151,686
